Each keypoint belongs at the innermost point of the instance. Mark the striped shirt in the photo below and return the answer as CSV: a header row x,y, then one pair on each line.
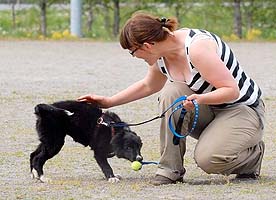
x,y
249,90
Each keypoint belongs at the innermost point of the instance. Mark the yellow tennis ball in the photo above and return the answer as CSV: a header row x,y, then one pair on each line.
x,y
136,165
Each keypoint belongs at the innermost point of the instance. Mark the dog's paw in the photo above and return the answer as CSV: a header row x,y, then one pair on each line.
x,y
34,174
118,176
43,179
114,179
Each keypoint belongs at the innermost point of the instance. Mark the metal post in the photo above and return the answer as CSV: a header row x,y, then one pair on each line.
x,y
75,18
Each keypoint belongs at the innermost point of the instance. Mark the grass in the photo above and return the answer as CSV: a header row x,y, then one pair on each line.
x,y
216,18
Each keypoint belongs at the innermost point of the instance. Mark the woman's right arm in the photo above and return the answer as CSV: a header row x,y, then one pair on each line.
x,y
150,84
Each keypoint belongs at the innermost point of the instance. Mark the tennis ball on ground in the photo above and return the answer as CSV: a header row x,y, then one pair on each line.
x,y
136,165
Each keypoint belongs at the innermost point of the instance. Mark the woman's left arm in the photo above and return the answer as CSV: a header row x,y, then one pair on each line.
x,y
204,56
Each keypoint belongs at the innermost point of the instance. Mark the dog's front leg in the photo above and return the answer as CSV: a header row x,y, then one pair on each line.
x,y
107,170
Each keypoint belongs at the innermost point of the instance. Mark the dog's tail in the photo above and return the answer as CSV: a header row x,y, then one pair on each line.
x,y
42,109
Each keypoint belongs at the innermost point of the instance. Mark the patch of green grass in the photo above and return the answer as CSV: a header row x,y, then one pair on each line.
x,y
19,154
247,191
271,98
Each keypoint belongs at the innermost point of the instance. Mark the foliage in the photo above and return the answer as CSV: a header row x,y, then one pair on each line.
x,y
214,15
253,34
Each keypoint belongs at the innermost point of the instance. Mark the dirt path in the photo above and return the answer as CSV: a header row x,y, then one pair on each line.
x,y
35,72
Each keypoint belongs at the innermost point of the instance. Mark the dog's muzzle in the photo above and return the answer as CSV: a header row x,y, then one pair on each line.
x,y
139,158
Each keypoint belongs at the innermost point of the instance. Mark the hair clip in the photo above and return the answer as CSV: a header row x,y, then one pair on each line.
x,y
163,21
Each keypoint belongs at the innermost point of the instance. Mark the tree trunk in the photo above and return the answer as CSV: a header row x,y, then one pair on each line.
x,y
106,17
249,14
90,17
13,2
43,19
177,12
116,25
237,18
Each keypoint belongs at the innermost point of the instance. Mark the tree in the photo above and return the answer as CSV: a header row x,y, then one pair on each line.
x,y
237,18
249,11
90,15
181,7
43,18
13,2
107,23
116,24
43,4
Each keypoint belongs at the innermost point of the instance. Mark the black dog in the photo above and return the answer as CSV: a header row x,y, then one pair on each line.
x,y
89,126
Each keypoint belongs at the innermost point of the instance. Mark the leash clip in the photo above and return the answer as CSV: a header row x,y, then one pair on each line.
x,y
100,121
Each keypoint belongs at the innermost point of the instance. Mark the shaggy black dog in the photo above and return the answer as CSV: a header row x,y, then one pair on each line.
x,y
88,125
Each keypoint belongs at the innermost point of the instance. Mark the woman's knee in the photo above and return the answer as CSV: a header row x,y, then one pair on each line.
x,y
213,162
203,160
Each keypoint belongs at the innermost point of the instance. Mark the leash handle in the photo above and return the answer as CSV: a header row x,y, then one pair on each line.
x,y
183,115
180,99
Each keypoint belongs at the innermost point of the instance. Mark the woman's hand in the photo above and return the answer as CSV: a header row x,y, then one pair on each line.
x,y
188,104
101,101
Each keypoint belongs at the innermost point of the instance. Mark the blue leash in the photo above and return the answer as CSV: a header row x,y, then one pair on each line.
x,y
182,115
149,162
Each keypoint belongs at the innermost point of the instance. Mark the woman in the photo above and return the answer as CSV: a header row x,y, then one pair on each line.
x,y
198,64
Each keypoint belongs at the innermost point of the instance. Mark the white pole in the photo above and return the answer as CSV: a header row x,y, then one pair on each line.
x,y
75,18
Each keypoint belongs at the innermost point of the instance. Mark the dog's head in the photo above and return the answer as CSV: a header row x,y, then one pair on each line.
x,y
127,144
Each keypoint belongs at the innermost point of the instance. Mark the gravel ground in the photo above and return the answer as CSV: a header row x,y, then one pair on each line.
x,y
33,72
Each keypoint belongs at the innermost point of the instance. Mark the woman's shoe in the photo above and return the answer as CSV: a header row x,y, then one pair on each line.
x,y
162,180
253,176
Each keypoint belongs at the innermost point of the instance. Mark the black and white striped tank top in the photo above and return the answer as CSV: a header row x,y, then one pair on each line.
x,y
249,90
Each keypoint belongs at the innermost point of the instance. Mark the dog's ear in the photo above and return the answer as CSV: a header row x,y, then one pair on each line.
x,y
117,139
117,144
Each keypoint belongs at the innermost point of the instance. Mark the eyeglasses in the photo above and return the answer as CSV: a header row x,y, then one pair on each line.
x,y
132,52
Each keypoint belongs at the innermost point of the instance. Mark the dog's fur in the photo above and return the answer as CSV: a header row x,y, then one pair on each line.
x,y
79,120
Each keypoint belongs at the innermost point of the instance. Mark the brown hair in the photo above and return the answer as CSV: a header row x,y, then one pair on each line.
x,y
143,27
